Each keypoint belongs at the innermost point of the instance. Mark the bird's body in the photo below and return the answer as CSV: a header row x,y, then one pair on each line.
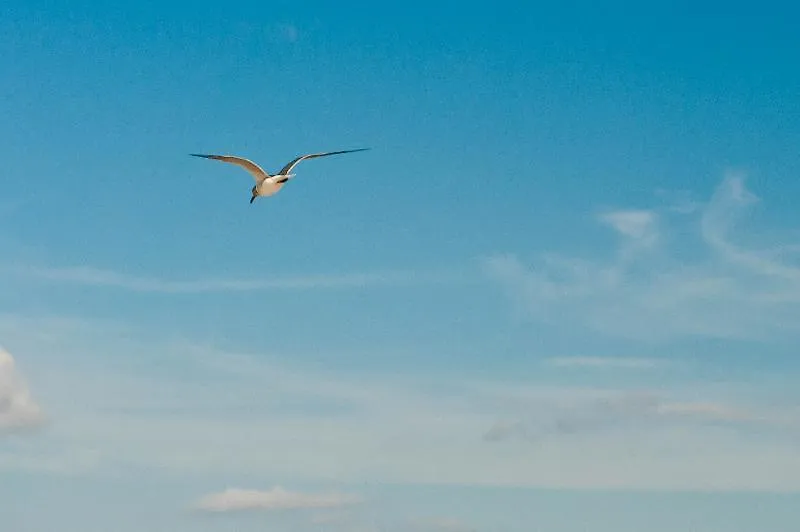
x,y
266,184
272,184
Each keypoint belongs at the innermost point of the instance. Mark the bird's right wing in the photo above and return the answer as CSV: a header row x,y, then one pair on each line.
x,y
256,171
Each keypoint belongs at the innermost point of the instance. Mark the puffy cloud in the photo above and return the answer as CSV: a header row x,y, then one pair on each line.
x,y
18,410
232,500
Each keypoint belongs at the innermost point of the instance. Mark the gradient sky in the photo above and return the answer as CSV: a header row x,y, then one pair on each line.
x,y
560,293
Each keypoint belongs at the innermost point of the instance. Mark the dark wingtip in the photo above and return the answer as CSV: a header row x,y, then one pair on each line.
x,y
200,155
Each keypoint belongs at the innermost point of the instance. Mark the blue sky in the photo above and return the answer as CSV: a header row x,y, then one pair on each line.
x,y
561,292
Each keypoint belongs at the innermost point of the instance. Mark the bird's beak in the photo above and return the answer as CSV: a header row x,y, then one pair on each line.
x,y
252,199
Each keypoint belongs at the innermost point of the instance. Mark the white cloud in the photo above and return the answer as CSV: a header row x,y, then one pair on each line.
x,y
667,291
18,410
233,500
635,224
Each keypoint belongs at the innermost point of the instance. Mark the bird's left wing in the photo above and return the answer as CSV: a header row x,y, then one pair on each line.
x,y
291,164
256,171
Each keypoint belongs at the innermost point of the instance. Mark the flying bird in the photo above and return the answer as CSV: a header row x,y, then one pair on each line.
x,y
267,185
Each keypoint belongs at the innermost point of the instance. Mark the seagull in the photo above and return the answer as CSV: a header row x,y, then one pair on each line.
x,y
267,185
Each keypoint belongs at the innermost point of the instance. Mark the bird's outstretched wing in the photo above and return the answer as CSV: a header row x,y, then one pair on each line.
x,y
291,164
256,171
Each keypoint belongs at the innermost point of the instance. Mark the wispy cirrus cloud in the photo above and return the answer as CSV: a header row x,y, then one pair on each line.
x,y
185,408
277,498
634,410
638,225
96,277
661,283
18,410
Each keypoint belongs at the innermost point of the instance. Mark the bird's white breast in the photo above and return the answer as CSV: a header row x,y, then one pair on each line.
x,y
268,187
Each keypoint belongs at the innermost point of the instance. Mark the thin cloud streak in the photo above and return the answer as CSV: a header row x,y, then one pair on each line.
x,y
440,524
632,410
604,362
236,500
94,277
